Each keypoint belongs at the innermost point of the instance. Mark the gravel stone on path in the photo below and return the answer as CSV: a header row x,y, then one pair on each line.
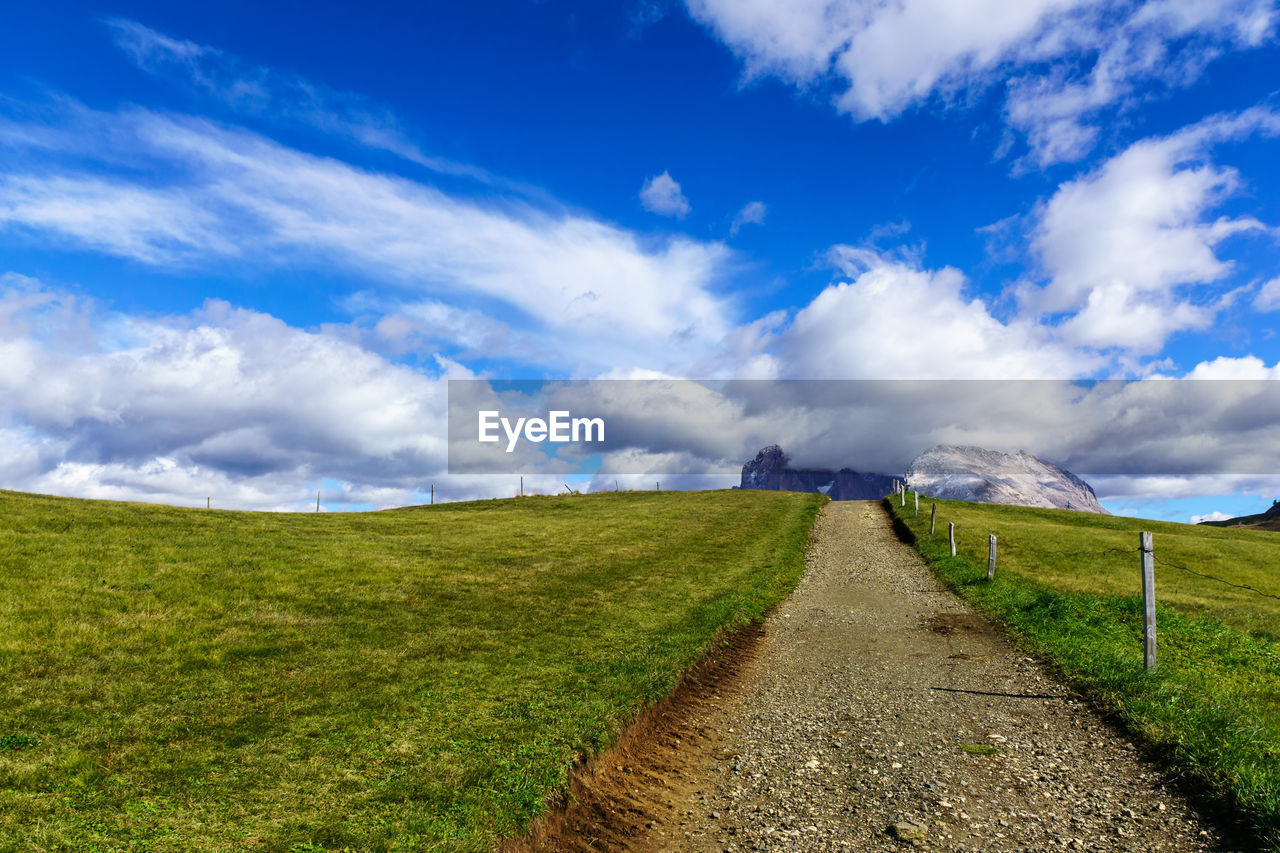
x,y
880,713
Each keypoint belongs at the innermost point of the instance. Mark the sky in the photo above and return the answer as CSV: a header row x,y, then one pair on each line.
x,y
243,246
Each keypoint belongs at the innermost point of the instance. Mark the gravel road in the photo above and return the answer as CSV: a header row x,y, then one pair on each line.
x,y
877,712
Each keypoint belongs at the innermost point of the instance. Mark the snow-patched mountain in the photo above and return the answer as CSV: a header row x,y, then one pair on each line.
x,y
989,476
769,470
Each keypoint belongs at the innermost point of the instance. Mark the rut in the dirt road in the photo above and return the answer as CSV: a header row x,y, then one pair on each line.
x,y
878,712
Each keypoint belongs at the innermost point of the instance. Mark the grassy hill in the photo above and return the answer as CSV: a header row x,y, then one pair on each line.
x,y
413,679
1067,587
1269,520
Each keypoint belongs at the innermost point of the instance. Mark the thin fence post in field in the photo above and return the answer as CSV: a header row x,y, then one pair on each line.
x,y
951,534
208,503
433,494
1148,601
991,557
933,516
902,494
522,486
917,504
317,500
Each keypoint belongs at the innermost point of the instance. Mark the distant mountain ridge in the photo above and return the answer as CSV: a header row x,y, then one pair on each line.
x,y
989,476
770,471
1269,520
949,472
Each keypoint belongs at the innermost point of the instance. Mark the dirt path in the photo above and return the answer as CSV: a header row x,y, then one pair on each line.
x,y
876,712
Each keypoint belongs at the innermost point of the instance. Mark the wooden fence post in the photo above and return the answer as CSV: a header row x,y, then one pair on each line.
x,y
433,494
951,534
1148,601
522,486
933,516
991,557
903,495
917,504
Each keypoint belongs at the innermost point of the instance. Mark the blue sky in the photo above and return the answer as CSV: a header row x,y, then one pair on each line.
x,y
241,247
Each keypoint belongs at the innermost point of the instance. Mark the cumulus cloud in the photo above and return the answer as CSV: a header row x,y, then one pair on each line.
x,y
223,401
1211,516
1147,429
1067,59
1170,488
1121,244
661,194
1225,367
225,192
893,319
752,213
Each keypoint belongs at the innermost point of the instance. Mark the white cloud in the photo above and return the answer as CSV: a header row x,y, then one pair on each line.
x,y
1121,244
1224,367
149,225
1268,298
224,387
1168,42
1211,516
752,213
1168,488
615,298
893,320
222,403
238,406
272,95
1067,59
661,194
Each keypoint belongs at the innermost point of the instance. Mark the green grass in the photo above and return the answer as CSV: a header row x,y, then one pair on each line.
x,y
416,679
1212,708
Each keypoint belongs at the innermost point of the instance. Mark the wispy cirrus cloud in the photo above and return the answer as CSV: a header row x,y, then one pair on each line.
x,y
265,92
1066,62
215,192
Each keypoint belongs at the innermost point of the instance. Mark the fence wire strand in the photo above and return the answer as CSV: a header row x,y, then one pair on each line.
x,y
1252,589
1106,551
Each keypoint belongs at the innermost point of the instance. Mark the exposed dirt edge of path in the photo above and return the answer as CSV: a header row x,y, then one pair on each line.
x,y
616,795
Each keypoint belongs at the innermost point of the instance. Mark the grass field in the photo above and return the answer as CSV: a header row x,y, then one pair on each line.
x,y
419,679
1068,587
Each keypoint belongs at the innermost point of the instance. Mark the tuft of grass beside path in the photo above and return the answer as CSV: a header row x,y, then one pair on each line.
x,y
416,679
1212,708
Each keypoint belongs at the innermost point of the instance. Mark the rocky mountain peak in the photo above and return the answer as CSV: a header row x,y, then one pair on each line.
x,y
990,476
770,470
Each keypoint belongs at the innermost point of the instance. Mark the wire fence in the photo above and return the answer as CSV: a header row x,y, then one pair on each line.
x,y
1103,552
